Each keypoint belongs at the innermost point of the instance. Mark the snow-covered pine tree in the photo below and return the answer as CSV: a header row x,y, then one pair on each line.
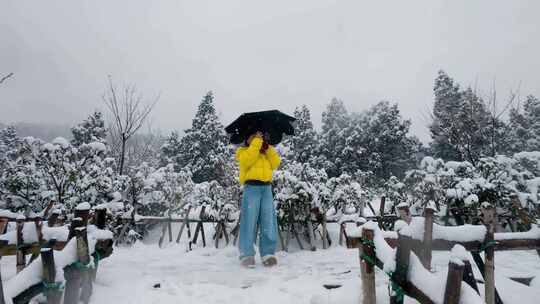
x,y
89,130
524,125
170,150
9,145
461,122
335,119
9,137
302,146
21,182
389,148
444,132
204,148
475,124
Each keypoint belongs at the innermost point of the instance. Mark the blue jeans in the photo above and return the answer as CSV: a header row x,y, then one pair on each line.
x,y
257,208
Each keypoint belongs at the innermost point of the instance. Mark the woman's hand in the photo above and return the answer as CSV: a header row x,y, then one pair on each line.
x,y
264,147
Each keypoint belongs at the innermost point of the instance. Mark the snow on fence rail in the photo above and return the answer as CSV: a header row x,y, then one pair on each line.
x,y
409,271
70,272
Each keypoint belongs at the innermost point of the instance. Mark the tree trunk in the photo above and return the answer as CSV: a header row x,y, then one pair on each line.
x,y
122,156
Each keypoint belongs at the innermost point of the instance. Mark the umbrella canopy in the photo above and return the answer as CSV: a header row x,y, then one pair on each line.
x,y
273,122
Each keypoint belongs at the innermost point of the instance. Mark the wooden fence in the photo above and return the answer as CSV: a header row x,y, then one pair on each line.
x,y
286,233
375,248
78,252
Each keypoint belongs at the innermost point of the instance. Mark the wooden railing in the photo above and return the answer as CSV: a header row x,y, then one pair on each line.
x,y
408,245
79,247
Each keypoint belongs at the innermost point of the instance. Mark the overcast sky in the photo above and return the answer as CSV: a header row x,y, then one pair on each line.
x,y
259,55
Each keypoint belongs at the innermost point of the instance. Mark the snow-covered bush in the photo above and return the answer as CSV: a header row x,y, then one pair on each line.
x,y
164,190
37,173
295,197
395,192
343,195
462,187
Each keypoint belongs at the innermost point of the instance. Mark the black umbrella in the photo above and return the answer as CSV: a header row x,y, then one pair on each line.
x,y
273,123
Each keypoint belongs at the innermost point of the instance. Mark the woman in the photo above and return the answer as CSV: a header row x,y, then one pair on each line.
x,y
257,161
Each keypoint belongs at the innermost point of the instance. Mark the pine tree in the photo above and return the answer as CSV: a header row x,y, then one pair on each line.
x,y
447,105
524,125
170,150
9,137
302,146
90,130
204,149
389,149
21,182
335,121
462,127
9,144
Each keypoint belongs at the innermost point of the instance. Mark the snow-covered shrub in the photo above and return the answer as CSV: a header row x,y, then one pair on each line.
x,y
37,173
164,190
461,187
344,196
212,195
395,191
295,197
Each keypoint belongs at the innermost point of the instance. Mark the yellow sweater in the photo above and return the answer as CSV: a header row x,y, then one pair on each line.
x,y
255,165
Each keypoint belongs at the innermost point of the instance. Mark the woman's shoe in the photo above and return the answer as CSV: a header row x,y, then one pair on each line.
x,y
248,262
269,260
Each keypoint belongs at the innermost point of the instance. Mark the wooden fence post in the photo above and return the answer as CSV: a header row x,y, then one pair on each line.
x,y
53,218
83,212
3,225
164,227
38,223
21,257
74,274
184,224
53,290
428,237
381,212
280,236
73,283
221,231
199,228
403,253
310,229
325,238
2,301
404,212
101,218
488,212
342,233
456,265
367,257
468,276
170,228
84,262
76,222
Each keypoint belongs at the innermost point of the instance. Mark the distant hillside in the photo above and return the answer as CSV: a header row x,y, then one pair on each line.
x,y
44,131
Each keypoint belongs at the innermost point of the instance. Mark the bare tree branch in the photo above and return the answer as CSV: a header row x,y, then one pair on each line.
x,y
128,113
5,77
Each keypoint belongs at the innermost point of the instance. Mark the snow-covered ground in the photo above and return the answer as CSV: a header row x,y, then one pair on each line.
x,y
209,275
